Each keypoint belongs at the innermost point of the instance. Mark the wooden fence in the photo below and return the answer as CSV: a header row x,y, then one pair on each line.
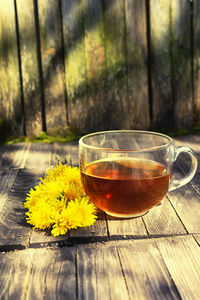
x,y
99,64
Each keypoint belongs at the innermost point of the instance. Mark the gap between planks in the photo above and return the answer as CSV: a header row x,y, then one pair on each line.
x,y
144,269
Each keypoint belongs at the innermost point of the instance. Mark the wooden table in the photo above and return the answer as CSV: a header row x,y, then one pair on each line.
x,y
153,257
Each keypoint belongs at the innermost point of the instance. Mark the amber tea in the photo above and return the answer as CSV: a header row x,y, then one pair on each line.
x,y
128,172
125,186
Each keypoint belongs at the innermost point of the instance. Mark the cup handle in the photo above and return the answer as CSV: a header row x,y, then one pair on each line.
x,y
176,183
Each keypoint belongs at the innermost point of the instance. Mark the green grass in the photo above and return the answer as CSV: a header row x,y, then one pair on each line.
x,y
70,134
194,130
43,137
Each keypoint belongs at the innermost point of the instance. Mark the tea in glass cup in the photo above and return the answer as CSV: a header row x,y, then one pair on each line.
x,y
127,172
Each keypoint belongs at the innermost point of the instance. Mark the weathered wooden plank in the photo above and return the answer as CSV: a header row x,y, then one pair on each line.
x,y
39,156
99,273
161,65
13,227
163,220
167,268
181,256
15,273
116,73
42,238
29,65
10,91
3,152
196,50
171,64
53,274
95,62
119,228
52,64
181,63
144,271
75,64
138,111
65,153
186,202
34,274
15,156
7,178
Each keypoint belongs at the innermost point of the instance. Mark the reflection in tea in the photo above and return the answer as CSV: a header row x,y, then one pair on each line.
x,y
125,186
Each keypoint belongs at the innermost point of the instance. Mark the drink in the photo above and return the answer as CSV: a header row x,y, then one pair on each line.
x,y
125,186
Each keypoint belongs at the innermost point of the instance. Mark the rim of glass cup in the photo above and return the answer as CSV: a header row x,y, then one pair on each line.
x,y
165,145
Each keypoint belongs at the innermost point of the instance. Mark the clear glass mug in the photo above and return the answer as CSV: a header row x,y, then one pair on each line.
x,y
127,172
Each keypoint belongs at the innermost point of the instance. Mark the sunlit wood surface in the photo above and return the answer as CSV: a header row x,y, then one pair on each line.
x,y
153,257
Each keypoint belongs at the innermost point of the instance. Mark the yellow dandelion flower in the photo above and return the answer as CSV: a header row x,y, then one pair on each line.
x,y
59,202
73,191
64,172
69,218
88,212
40,217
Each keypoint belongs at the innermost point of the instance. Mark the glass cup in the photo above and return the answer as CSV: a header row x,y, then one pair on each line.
x,y
127,172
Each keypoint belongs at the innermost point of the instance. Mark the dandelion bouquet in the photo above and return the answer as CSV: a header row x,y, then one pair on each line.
x,y
59,202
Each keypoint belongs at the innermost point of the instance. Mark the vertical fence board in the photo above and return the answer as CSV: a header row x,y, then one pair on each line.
x,y
75,64
138,113
30,75
161,64
116,73
95,61
10,95
196,45
53,73
181,63
105,45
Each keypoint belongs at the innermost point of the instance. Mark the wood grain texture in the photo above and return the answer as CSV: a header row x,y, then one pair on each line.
x,y
171,64
34,274
181,256
52,274
15,273
65,153
43,239
181,63
95,63
125,228
99,273
4,149
144,271
7,178
166,268
29,65
10,92
15,156
138,111
52,65
75,64
161,71
196,49
39,156
187,205
116,73
163,220
13,227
